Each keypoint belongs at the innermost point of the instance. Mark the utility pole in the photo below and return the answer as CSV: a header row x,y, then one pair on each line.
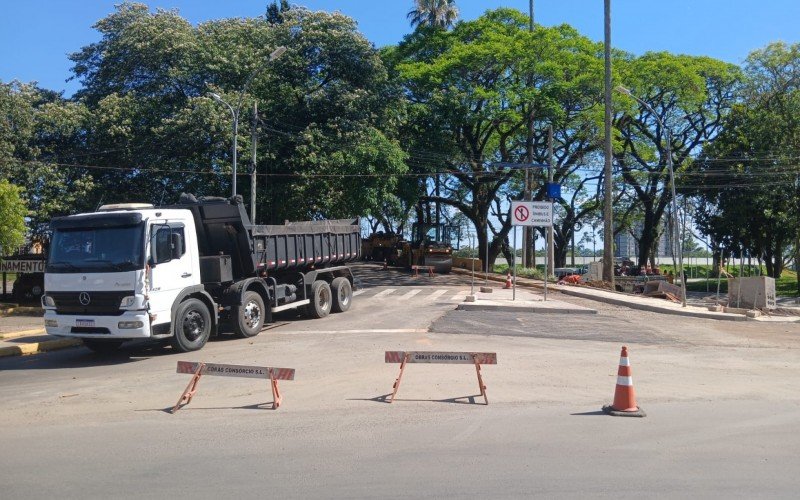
x,y
550,253
531,11
253,140
528,250
608,226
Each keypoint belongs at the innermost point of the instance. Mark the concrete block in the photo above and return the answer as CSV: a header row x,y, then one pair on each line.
x,y
756,292
662,286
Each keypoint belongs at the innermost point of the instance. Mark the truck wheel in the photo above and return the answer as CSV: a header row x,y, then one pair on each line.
x,y
102,346
342,294
321,299
192,326
249,317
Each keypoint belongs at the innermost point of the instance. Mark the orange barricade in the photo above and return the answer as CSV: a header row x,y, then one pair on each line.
x,y
197,370
476,358
417,269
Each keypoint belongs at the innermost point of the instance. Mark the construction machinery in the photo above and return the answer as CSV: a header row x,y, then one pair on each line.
x,y
430,245
380,247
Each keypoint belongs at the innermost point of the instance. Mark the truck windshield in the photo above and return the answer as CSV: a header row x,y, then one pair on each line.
x,y
97,250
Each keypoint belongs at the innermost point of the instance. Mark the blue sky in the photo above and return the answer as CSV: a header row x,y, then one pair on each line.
x,y
37,35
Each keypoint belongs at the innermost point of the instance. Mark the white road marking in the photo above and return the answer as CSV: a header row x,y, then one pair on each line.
x,y
396,330
410,294
435,295
358,292
384,293
460,295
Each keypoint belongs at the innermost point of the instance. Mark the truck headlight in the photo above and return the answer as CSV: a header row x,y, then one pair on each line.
x,y
47,301
51,322
128,325
127,301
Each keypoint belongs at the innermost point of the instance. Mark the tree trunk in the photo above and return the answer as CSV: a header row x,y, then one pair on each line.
x,y
646,242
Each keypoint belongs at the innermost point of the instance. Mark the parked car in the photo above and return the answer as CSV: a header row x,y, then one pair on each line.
x,y
28,287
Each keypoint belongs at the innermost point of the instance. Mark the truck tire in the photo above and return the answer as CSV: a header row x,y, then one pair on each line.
x,y
102,346
321,300
248,318
342,294
192,326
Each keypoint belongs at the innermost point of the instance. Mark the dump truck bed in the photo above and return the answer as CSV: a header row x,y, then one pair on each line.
x,y
300,245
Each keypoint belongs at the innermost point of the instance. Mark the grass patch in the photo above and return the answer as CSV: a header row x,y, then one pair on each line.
x,y
785,286
536,273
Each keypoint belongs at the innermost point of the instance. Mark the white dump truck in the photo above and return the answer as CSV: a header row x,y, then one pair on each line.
x,y
187,271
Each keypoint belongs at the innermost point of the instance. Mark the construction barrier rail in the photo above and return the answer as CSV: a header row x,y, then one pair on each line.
x,y
417,269
476,358
198,369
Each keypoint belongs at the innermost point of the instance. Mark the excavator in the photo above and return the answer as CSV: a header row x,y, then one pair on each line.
x,y
430,245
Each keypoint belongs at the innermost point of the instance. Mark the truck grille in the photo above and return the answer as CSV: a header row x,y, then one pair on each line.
x,y
100,303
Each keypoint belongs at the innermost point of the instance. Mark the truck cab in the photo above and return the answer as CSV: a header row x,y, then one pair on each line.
x,y
116,274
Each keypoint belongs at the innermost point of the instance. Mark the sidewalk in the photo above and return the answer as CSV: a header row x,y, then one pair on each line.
x,y
22,332
523,301
633,301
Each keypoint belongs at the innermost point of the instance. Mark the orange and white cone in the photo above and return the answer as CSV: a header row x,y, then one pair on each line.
x,y
508,280
624,396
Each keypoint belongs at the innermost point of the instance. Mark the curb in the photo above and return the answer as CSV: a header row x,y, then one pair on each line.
x,y
619,302
37,347
472,306
22,311
654,308
22,333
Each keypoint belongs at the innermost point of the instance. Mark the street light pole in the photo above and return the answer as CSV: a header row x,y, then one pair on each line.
x,y
608,226
235,112
676,231
235,116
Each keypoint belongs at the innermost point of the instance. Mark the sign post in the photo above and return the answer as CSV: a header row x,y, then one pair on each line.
x,y
532,213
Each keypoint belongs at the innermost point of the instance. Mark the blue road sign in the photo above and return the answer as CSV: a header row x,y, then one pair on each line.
x,y
553,190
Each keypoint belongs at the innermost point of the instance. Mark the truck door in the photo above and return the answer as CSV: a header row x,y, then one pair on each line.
x,y
170,268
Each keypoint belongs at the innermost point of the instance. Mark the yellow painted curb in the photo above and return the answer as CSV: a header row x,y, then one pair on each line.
x,y
22,333
22,311
36,347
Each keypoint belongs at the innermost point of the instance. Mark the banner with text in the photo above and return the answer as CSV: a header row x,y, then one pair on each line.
x,y
483,358
189,368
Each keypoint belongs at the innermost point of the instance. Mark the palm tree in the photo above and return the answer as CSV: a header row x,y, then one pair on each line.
x,y
442,13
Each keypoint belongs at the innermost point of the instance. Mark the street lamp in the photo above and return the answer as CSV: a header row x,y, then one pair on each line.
x,y
676,234
235,111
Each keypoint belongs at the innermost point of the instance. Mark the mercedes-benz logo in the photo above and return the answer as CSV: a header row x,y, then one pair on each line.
x,y
84,298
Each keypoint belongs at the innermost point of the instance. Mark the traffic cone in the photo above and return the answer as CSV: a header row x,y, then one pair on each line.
x,y
508,280
624,396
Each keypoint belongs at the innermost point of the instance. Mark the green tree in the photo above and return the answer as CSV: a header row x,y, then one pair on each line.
x,y
441,13
473,92
691,96
747,179
41,138
12,217
326,110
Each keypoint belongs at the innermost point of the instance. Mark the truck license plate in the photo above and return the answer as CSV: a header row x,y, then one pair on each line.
x,y
84,322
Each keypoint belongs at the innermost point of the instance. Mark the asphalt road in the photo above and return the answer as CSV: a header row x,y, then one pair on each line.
x,y
721,399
